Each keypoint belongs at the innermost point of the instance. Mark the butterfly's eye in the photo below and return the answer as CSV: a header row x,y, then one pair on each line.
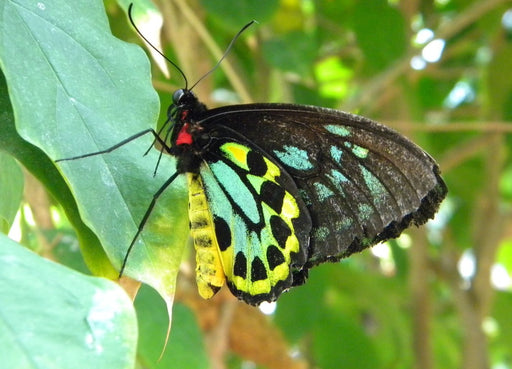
x,y
177,96
184,97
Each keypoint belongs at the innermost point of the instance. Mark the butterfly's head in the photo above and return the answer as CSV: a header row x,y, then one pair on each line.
x,y
185,105
184,98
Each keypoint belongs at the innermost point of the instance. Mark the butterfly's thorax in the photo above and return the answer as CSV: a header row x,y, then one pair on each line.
x,y
188,138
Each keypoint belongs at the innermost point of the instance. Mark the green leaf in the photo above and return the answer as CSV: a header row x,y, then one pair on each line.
x,y
502,336
499,84
186,349
355,350
357,309
504,255
36,161
236,13
303,304
293,52
77,90
53,317
380,31
11,183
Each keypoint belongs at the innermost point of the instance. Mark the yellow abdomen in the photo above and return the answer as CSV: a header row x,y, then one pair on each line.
x,y
210,275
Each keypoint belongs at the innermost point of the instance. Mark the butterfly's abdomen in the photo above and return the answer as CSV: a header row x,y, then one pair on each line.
x,y
209,270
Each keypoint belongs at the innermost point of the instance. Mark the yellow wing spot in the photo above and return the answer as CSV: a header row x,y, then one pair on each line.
x,y
210,275
290,208
237,153
258,287
292,243
272,170
280,272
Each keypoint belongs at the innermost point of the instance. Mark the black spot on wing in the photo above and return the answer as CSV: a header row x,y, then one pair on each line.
x,y
240,268
256,164
280,230
258,271
223,233
273,195
275,257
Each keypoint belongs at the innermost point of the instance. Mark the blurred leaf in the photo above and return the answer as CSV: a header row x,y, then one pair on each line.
x,y
499,80
235,13
506,184
290,16
66,251
186,347
301,309
366,306
293,52
432,93
353,348
53,317
339,11
400,259
502,338
504,256
11,183
138,6
446,345
381,33
309,96
333,78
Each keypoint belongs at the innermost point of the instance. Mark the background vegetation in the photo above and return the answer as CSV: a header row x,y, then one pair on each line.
x,y
439,297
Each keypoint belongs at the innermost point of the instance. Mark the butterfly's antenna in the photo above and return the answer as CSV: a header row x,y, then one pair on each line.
x,y
155,48
225,52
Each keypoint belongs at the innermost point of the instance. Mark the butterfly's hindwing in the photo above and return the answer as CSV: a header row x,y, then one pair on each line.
x,y
263,223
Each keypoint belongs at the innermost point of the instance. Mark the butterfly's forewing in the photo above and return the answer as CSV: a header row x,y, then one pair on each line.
x,y
361,182
260,222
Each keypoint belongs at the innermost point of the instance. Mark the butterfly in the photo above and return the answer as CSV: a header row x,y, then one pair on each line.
x,y
275,189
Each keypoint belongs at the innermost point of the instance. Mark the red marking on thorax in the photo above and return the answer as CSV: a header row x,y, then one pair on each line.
x,y
184,137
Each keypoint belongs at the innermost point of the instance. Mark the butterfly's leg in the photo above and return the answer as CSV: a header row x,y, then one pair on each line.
x,y
116,146
145,218
159,139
